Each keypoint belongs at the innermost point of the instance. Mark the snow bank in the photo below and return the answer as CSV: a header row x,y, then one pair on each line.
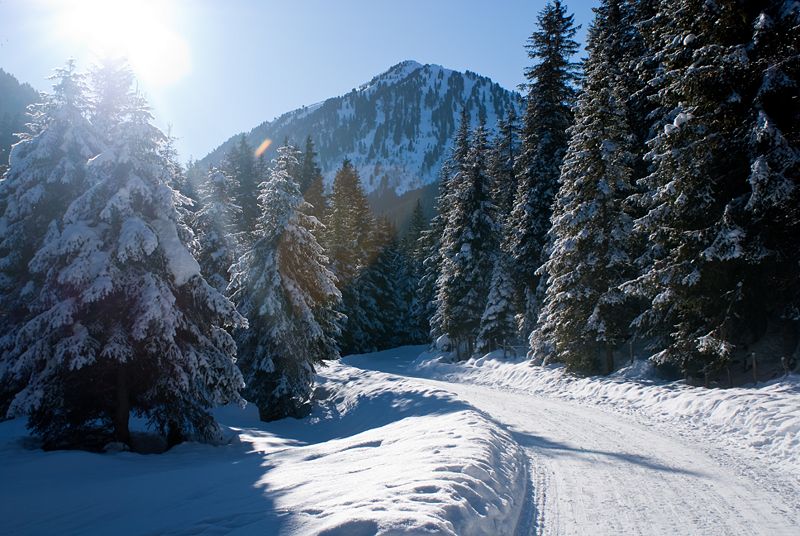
x,y
413,459
379,455
764,421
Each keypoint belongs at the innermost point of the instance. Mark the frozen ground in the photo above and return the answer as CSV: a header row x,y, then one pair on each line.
x,y
398,446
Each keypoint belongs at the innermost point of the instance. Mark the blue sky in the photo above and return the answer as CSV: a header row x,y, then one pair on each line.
x,y
212,68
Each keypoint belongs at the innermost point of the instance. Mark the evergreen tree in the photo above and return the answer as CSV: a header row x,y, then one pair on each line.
x,y
498,323
502,163
548,116
309,171
247,171
694,266
47,170
414,252
117,248
431,241
317,200
771,209
283,285
468,250
585,315
351,244
350,225
216,227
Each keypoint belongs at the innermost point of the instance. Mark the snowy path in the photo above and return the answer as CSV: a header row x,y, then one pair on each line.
x,y
596,472
389,452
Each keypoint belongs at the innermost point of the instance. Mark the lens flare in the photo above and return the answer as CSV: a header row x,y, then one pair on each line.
x,y
263,147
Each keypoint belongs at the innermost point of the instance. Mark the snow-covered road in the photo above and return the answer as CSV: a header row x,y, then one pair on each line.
x,y
397,445
597,472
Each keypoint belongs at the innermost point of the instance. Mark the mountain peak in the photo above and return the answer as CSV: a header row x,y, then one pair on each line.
x,y
395,73
396,129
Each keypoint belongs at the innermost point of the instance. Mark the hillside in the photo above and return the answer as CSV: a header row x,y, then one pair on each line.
x,y
396,128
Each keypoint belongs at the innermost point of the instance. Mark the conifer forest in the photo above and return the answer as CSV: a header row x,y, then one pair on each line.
x,y
431,305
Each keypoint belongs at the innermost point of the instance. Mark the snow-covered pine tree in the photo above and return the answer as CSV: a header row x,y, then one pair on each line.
x,y
499,320
498,326
248,172
502,164
694,264
468,246
431,241
390,285
772,207
124,321
414,256
283,285
585,315
215,226
548,115
47,170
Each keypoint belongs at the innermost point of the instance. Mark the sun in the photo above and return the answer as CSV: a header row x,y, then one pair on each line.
x,y
139,30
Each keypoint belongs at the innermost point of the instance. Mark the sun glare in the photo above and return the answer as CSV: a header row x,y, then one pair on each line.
x,y
139,30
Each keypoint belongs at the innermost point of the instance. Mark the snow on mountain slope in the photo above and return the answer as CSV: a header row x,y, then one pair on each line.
x,y
396,129
379,455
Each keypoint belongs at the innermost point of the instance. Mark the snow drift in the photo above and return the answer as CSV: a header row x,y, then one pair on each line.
x,y
379,455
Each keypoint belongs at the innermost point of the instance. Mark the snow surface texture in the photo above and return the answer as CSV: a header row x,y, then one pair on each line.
x,y
761,422
379,455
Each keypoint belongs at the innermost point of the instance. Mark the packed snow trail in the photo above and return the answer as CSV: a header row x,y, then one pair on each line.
x,y
596,472
388,452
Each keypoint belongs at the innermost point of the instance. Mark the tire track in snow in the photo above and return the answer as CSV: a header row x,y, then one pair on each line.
x,y
598,473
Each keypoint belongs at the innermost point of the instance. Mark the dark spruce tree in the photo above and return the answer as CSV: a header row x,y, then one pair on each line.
x,y
585,315
414,252
502,164
548,116
247,171
317,200
285,288
14,101
772,207
351,245
431,241
694,269
309,171
468,250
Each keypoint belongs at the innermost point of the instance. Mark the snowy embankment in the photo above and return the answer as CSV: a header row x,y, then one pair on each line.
x,y
379,455
761,422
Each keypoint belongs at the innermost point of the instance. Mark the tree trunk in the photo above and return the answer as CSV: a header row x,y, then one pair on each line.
x,y
609,359
123,410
